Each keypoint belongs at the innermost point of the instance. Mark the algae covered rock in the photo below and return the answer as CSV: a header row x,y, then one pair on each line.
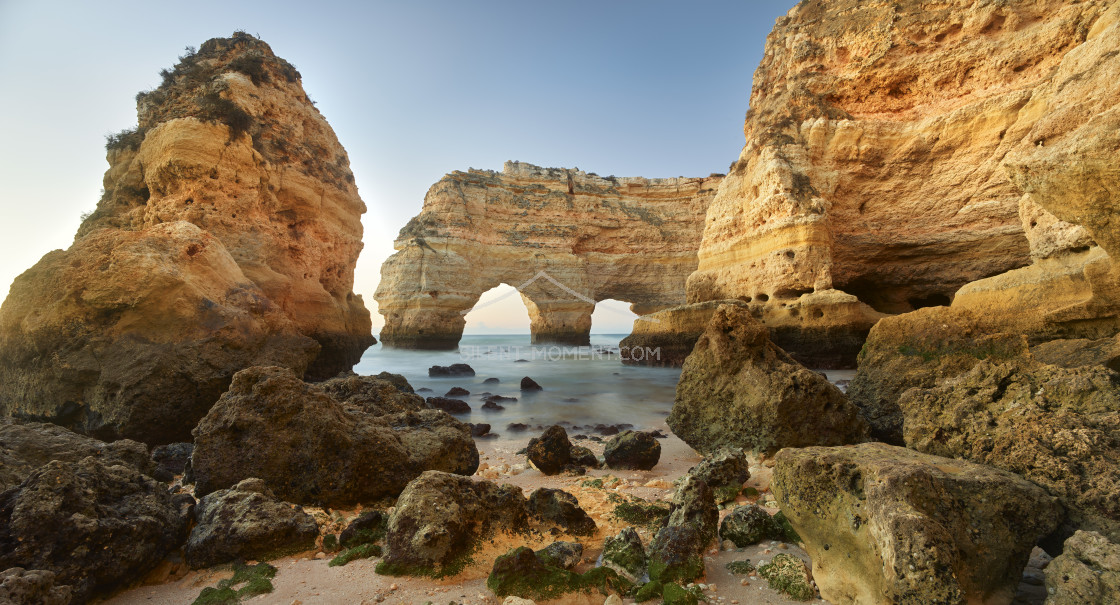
x,y
564,555
366,528
725,471
787,574
748,525
739,390
559,508
582,456
522,574
885,524
1087,571
440,518
1057,427
247,522
550,452
632,450
32,587
676,554
96,527
625,554
694,505
310,449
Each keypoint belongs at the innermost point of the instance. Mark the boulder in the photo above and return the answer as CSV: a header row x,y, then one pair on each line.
x,y
584,457
1058,427
564,555
375,395
625,554
171,459
528,384
25,447
725,471
441,517
366,528
457,392
1087,571
213,248
884,524
521,573
309,449
32,587
738,389
694,505
632,450
247,522
748,525
452,371
676,554
561,509
96,527
451,406
550,452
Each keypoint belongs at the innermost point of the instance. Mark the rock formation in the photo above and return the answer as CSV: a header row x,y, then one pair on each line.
x,y
311,449
26,447
227,237
1088,571
874,164
738,389
595,238
886,525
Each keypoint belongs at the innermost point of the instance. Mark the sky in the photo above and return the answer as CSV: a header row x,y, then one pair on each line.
x,y
413,90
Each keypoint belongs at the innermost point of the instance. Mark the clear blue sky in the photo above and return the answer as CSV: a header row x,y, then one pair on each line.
x,y
413,89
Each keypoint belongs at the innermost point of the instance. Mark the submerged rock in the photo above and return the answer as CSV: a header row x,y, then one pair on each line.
x,y
457,392
550,452
451,406
32,587
1087,571
247,522
441,517
632,450
901,526
310,449
528,384
738,389
453,370
96,527
559,508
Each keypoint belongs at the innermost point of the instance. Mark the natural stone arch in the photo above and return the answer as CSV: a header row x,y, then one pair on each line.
x,y
566,239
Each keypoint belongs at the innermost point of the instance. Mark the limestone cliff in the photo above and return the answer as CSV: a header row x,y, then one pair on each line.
x,y
595,238
227,237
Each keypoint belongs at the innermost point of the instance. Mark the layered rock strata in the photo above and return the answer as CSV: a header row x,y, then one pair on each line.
x,y
565,238
227,237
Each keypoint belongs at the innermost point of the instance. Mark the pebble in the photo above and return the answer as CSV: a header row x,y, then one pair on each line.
x,y
713,552
766,552
728,545
320,556
392,587
744,583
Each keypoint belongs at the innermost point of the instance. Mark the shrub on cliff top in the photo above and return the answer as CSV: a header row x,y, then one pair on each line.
x,y
129,138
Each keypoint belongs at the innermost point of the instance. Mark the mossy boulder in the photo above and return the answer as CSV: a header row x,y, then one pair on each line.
x,y
676,554
625,554
749,524
561,509
247,522
521,573
787,574
367,528
584,457
674,594
440,519
564,555
248,581
632,450
551,452
725,471
642,513
694,504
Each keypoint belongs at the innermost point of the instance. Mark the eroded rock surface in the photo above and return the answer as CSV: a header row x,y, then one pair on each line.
x,y
25,447
226,238
739,390
1088,571
596,238
310,449
884,524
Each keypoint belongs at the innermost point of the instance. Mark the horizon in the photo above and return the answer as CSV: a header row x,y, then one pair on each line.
x,y
487,83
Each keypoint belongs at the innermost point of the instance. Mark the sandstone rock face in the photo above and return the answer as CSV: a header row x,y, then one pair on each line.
x,y
226,238
96,527
1057,427
310,449
884,524
630,239
1088,571
26,447
739,390
247,522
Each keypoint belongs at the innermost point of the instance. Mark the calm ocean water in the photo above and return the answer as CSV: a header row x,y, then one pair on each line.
x,y
583,386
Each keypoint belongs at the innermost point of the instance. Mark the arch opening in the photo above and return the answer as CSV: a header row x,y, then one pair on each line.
x,y
500,310
612,317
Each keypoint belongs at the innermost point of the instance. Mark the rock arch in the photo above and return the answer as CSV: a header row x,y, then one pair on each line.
x,y
565,238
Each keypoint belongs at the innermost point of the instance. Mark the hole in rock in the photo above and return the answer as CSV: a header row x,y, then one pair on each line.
x,y
499,310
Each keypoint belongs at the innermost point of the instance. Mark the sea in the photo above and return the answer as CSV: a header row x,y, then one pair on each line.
x,y
582,386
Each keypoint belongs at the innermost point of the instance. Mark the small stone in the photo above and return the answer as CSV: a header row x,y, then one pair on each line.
x,y
744,583
320,556
392,587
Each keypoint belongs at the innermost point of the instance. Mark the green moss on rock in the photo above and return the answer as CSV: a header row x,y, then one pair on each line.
x,y
363,551
787,574
674,594
740,568
522,574
248,581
